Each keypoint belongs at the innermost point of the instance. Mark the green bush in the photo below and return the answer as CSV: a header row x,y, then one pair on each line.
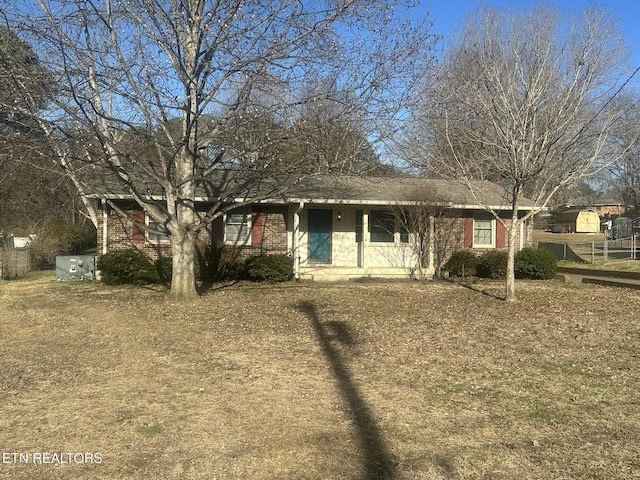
x,y
164,268
462,264
492,264
535,263
269,268
127,267
219,262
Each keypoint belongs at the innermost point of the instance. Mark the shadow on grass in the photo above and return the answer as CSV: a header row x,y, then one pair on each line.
x,y
207,287
377,461
480,288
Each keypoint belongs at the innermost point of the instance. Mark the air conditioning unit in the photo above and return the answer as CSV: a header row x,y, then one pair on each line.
x,y
75,267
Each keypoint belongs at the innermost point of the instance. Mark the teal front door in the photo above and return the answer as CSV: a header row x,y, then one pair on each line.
x,y
320,227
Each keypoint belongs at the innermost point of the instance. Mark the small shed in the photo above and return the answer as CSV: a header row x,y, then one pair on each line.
x,y
577,221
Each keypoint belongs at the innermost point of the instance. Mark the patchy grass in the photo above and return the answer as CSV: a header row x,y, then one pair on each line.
x,y
350,381
613,265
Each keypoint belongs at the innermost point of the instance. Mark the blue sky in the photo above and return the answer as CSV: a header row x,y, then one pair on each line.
x,y
448,15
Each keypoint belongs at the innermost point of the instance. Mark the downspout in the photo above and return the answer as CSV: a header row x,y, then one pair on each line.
x,y
296,241
521,235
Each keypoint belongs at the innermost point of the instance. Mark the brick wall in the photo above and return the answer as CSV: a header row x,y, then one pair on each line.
x,y
450,237
268,233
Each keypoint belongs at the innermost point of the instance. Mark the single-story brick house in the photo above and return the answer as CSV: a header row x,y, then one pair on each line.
x,y
334,227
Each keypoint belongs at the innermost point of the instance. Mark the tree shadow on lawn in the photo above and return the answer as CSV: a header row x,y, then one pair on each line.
x,y
488,289
377,460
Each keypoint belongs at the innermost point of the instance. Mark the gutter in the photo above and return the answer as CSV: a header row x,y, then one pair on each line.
x,y
326,201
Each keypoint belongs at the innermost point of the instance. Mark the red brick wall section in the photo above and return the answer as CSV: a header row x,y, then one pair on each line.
x,y
268,235
122,234
268,232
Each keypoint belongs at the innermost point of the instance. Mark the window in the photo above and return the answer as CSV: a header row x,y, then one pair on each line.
x,y
484,231
404,234
156,231
236,227
405,222
381,226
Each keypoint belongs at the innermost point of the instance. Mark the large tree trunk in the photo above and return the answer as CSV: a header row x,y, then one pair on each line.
x,y
183,237
183,251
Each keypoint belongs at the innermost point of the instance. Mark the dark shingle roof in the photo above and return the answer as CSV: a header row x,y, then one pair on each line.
x,y
341,189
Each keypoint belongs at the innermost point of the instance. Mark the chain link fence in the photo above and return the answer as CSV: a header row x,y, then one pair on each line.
x,y
604,250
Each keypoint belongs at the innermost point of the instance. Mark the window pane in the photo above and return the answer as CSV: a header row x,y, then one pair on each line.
x,y
404,234
237,226
154,237
482,232
381,226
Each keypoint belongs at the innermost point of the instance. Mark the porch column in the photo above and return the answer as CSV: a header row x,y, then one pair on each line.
x,y
432,243
296,241
365,236
105,229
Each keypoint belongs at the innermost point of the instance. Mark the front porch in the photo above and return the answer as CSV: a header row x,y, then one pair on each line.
x,y
329,273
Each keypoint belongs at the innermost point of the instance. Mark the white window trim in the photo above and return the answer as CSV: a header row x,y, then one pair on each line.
x,y
493,233
147,234
248,221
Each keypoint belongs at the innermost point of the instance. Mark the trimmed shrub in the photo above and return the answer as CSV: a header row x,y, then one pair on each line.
x,y
219,262
269,268
462,264
535,263
492,264
164,267
127,267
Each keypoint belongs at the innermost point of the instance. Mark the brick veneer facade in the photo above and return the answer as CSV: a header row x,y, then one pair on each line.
x,y
456,233
268,233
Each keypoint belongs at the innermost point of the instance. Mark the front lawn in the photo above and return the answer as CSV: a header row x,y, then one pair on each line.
x,y
351,381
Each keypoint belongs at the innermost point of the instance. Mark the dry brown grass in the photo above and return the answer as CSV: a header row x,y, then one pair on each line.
x,y
357,381
545,236
581,243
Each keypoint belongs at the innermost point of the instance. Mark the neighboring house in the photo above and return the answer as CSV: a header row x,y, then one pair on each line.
x,y
577,221
335,228
602,206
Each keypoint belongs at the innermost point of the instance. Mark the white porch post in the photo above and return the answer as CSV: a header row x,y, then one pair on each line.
x,y
521,236
296,241
105,229
365,236
432,243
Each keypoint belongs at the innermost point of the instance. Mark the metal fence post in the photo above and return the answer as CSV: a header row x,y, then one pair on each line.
x,y
593,253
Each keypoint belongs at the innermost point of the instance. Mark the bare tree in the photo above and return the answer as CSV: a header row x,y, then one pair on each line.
x,y
176,72
625,174
428,221
523,98
33,192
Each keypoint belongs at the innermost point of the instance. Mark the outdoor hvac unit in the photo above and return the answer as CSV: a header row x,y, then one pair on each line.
x,y
75,267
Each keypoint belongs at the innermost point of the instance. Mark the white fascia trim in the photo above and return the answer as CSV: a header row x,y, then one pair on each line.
x,y
326,201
